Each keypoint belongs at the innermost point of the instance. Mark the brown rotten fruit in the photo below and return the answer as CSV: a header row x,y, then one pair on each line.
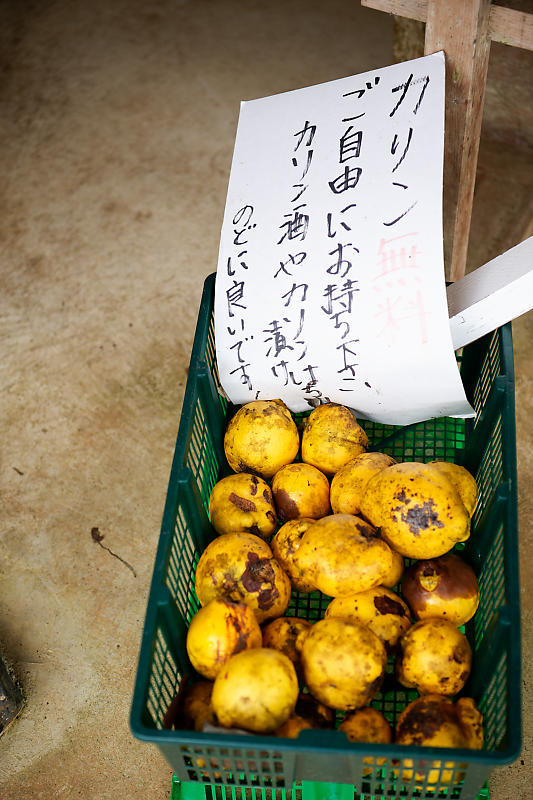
x,y
442,587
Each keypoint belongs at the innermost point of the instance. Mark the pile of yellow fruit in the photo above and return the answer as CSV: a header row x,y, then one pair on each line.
x,y
340,521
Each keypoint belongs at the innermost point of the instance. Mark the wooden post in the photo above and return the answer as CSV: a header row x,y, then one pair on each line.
x,y
461,29
464,30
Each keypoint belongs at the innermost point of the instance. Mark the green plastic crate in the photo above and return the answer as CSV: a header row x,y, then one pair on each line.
x,y
224,762
300,791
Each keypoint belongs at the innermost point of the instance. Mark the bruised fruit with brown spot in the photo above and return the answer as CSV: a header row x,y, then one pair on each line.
x,y
435,658
379,609
366,725
435,721
281,634
242,568
341,554
308,714
417,508
300,490
332,437
261,438
348,484
255,690
463,480
442,587
285,544
242,503
343,663
219,630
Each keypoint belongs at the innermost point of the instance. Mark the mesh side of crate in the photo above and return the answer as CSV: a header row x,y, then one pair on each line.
x,y
240,774
238,793
298,792
235,766
493,706
232,769
164,679
486,624
490,471
211,360
490,368
181,570
436,439
413,778
491,587
201,455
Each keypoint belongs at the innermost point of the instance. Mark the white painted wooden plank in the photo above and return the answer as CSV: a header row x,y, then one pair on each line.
x,y
499,291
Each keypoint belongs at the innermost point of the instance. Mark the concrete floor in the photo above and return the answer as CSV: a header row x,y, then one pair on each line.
x,y
117,127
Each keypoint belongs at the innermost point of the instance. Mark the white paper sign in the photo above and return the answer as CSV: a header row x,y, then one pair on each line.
x,y
330,281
